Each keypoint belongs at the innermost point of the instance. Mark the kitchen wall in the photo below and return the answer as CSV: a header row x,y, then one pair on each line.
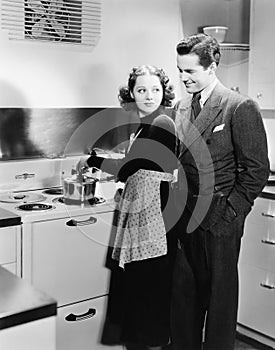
x,y
235,14
231,13
134,32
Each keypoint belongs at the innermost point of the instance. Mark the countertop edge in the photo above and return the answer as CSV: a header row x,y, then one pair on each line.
x,y
20,302
30,315
267,194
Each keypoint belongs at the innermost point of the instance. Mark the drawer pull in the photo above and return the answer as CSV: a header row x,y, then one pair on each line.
x,y
267,241
268,215
73,317
73,222
267,286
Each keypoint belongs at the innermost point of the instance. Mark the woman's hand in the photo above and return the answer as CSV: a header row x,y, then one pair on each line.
x,y
82,165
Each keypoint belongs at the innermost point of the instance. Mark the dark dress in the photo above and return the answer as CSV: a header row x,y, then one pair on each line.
x,y
139,297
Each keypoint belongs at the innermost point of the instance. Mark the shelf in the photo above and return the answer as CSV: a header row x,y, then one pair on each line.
x,y
234,47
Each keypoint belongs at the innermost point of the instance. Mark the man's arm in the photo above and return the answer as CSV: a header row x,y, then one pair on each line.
x,y
250,146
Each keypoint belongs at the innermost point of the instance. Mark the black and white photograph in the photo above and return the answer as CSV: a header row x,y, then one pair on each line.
x,y
137,175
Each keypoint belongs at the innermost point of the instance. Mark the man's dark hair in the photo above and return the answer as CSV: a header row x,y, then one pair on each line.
x,y
205,46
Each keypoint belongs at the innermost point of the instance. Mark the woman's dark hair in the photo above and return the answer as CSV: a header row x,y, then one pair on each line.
x,y
124,96
205,46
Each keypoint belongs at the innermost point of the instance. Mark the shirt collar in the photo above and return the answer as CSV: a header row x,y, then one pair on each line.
x,y
207,91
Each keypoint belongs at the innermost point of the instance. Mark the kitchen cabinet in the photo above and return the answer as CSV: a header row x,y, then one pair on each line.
x,y
10,248
74,324
68,262
257,272
261,67
27,315
37,335
66,258
233,67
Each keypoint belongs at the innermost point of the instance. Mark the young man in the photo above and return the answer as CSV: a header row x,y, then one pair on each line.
x,y
223,168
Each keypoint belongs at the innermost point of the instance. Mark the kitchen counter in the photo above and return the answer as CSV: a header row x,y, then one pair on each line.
x,y
269,191
21,303
8,218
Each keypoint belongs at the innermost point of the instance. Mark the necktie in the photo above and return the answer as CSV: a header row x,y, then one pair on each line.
x,y
196,107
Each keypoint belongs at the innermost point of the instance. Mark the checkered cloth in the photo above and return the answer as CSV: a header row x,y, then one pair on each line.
x,y
141,231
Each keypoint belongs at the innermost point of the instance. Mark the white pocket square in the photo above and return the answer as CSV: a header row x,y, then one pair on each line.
x,y
218,128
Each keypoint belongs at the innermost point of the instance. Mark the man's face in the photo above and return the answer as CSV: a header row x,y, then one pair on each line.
x,y
194,76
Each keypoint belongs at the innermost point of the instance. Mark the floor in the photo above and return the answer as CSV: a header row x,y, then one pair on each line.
x,y
244,343
239,345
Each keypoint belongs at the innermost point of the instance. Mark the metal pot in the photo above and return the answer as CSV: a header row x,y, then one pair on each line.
x,y
79,190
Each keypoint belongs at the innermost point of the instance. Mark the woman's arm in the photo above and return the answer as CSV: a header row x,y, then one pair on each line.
x,y
154,149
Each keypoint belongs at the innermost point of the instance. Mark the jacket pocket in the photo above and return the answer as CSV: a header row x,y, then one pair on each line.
x,y
229,213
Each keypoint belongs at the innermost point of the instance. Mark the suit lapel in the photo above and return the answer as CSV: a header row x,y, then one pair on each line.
x,y
208,114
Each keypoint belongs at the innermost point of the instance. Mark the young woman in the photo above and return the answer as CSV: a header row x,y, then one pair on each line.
x,y
145,243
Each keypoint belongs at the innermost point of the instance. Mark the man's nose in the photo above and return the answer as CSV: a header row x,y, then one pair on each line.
x,y
184,77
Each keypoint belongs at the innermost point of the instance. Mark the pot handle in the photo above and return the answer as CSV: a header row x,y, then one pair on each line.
x,y
73,222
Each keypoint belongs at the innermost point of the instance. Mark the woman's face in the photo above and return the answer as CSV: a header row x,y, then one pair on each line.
x,y
147,93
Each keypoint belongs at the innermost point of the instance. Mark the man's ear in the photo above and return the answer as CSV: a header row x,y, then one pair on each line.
x,y
213,67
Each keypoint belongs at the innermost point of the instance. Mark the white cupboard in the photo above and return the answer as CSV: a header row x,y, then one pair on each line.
x,y
80,325
261,66
66,258
10,252
256,315
35,335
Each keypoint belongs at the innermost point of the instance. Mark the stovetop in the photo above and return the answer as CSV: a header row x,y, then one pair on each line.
x,y
45,206
39,181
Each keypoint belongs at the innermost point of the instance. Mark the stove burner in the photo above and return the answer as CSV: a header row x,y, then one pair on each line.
x,y
54,191
23,197
92,201
35,207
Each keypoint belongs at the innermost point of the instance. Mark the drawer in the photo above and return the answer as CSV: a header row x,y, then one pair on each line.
x,y
84,330
7,245
257,299
67,261
263,212
258,242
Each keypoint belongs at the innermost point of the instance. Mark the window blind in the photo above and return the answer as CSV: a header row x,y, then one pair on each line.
x,y
76,22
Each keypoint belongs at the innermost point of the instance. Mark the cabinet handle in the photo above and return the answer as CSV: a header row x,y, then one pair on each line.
x,y
73,317
268,215
267,286
259,95
267,241
73,222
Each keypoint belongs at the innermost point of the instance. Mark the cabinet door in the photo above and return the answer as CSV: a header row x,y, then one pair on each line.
x,y
262,69
69,262
10,249
257,299
7,245
84,328
35,335
258,242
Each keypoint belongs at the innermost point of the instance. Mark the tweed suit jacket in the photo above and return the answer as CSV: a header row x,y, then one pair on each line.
x,y
223,160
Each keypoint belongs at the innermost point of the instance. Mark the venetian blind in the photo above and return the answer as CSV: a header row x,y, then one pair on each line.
x,y
75,22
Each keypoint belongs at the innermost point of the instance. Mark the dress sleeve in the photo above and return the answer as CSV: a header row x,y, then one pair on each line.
x,y
153,149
